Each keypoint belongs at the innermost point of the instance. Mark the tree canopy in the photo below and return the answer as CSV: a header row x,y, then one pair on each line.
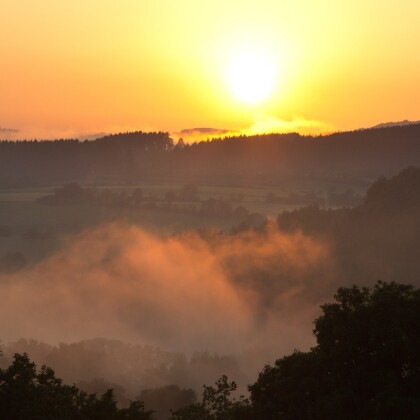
x,y
366,363
28,394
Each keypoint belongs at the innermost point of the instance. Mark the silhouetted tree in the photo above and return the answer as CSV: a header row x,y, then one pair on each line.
x,y
165,399
217,404
26,394
366,363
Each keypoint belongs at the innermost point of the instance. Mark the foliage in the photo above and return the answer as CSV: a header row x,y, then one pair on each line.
x,y
163,400
26,394
400,191
217,404
366,363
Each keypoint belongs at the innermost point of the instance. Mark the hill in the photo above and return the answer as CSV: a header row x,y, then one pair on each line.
x,y
261,159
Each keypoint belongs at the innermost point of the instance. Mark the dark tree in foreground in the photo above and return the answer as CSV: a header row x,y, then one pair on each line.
x,y
165,399
26,394
366,364
217,404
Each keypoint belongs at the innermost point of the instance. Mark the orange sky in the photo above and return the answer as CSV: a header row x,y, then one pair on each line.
x,y
79,67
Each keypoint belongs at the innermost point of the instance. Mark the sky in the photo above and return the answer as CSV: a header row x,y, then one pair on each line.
x,y
81,67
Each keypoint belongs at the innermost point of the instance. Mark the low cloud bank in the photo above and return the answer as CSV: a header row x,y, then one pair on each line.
x,y
261,124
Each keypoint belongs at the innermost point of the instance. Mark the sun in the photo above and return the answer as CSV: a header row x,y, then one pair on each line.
x,y
251,76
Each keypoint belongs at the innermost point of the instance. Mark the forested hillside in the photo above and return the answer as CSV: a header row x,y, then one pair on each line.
x,y
263,159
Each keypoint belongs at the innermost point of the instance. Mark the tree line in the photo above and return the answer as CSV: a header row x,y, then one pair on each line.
x,y
135,156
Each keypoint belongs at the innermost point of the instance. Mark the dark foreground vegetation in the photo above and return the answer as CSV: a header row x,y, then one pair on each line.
x,y
366,365
26,393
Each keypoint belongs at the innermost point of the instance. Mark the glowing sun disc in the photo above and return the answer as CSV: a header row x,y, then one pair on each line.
x,y
251,77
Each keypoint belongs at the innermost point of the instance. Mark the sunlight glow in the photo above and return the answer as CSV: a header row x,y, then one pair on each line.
x,y
74,69
251,76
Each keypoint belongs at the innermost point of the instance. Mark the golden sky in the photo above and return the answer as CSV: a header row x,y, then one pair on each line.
x,y
88,66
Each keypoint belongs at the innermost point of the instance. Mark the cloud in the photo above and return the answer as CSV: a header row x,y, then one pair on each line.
x,y
8,133
262,124
190,135
32,132
8,130
265,124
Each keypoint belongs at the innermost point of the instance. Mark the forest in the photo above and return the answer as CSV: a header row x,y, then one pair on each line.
x,y
261,159
189,272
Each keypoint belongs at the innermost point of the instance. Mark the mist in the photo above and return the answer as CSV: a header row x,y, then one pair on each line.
x,y
221,293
